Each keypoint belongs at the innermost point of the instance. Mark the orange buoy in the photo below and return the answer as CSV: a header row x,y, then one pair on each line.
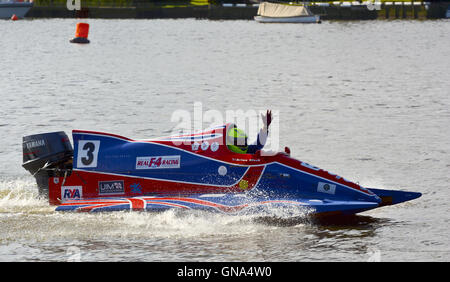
x,y
81,33
82,30
14,17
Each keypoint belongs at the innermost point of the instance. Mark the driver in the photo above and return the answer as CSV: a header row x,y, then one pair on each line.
x,y
237,139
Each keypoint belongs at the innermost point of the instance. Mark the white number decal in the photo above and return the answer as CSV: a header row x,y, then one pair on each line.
x,y
87,153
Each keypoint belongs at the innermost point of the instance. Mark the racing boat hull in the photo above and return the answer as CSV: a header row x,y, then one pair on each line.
x,y
111,172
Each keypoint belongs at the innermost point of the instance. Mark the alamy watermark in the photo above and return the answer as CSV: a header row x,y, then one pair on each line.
x,y
372,5
249,120
76,5
73,254
374,255
73,5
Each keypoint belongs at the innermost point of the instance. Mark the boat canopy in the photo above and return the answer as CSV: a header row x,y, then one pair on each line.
x,y
267,9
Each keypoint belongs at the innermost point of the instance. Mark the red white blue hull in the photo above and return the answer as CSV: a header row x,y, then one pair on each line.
x,y
223,203
198,171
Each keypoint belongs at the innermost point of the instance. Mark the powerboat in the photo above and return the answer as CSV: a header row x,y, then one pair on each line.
x,y
109,172
10,8
285,13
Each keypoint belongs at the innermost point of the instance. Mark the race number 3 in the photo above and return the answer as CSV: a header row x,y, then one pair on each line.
x,y
87,153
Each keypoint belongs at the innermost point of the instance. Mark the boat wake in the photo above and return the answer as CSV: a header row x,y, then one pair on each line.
x,y
19,195
26,216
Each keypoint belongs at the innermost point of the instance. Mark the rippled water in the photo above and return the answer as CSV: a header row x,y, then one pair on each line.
x,y
368,100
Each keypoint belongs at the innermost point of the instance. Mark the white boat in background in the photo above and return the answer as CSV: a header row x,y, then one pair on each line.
x,y
285,13
18,8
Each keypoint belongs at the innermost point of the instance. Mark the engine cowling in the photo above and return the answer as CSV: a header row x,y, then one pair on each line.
x,y
46,155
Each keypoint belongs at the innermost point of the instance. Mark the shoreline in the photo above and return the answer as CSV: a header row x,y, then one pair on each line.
x,y
434,10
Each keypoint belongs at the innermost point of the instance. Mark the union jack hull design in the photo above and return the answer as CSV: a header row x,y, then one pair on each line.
x,y
197,171
222,203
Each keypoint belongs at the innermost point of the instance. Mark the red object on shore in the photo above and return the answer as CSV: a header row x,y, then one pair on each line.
x,y
81,33
14,17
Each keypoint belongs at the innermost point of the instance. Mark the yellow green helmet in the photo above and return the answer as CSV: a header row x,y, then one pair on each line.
x,y
237,140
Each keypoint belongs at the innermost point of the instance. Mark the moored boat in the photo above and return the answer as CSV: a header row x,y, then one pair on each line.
x,y
285,13
10,8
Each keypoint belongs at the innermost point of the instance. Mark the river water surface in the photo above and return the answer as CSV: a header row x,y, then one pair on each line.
x,y
368,100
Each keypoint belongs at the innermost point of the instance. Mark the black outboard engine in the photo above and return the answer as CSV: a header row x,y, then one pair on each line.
x,y
47,155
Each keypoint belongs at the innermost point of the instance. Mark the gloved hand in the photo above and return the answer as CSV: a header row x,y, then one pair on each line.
x,y
267,119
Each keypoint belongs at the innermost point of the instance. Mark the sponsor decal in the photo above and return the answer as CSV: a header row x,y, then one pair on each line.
x,y
136,188
205,145
326,188
158,162
222,170
111,187
71,192
243,184
195,146
35,143
214,146
245,160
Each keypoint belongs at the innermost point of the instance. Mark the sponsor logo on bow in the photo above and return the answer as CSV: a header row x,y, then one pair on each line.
x,y
326,188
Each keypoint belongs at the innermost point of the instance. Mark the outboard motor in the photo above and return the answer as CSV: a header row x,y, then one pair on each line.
x,y
47,155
